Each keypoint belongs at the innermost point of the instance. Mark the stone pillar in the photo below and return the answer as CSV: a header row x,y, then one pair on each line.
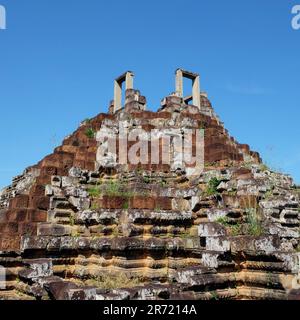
x,y
180,74
129,80
196,92
127,77
117,96
179,82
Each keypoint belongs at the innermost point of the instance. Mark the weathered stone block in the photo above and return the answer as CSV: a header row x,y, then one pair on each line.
x,y
211,229
55,230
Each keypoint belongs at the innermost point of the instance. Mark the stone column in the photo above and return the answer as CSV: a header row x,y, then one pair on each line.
x,y
129,80
179,82
180,74
117,96
127,77
196,92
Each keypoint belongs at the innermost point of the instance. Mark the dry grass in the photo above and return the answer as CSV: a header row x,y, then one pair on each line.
x,y
113,281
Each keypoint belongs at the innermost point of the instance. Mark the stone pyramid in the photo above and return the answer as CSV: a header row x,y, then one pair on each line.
x,y
82,224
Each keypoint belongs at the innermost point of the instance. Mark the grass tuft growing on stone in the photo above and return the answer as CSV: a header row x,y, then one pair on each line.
x,y
254,226
90,133
235,229
211,188
94,191
113,281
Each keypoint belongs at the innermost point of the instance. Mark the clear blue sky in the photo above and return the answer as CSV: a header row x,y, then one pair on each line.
x,y
58,59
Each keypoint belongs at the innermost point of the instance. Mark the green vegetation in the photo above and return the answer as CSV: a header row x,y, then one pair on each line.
x,y
268,194
94,191
214,295
209,164
90,133
254,226
116,189
95,206
223,220
125,205
235,229
72,220
146,179
163,182
212,185
157,208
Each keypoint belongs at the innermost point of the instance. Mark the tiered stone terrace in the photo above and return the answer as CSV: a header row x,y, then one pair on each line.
x,y
78,225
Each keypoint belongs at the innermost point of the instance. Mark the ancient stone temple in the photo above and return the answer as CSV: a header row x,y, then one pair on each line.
x,y
88,223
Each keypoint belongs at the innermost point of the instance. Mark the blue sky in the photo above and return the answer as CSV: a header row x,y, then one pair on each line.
x,y
58,60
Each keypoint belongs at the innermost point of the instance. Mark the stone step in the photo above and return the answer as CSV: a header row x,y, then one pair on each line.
x,y
14,295
249,292
262,265
270,280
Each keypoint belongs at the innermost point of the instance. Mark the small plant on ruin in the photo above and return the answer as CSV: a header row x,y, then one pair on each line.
x,y
112,188
163,183
125,205
212,185
268,194
214,295
95,206
253,220
223,221
209,164
231,192
185,234
115,232
114,281
254,226
235,229
90,133
146,179
157,207
75,234
72,220
248,164
94,191
118,189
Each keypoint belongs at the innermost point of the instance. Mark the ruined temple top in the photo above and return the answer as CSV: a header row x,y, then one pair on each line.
x,y
135,101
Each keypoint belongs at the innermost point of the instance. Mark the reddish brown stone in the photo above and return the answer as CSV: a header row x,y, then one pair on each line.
x,y
37,215
163,203
17,215
9,228
140,202
20,201
113,202
41,203
9,243
29,229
